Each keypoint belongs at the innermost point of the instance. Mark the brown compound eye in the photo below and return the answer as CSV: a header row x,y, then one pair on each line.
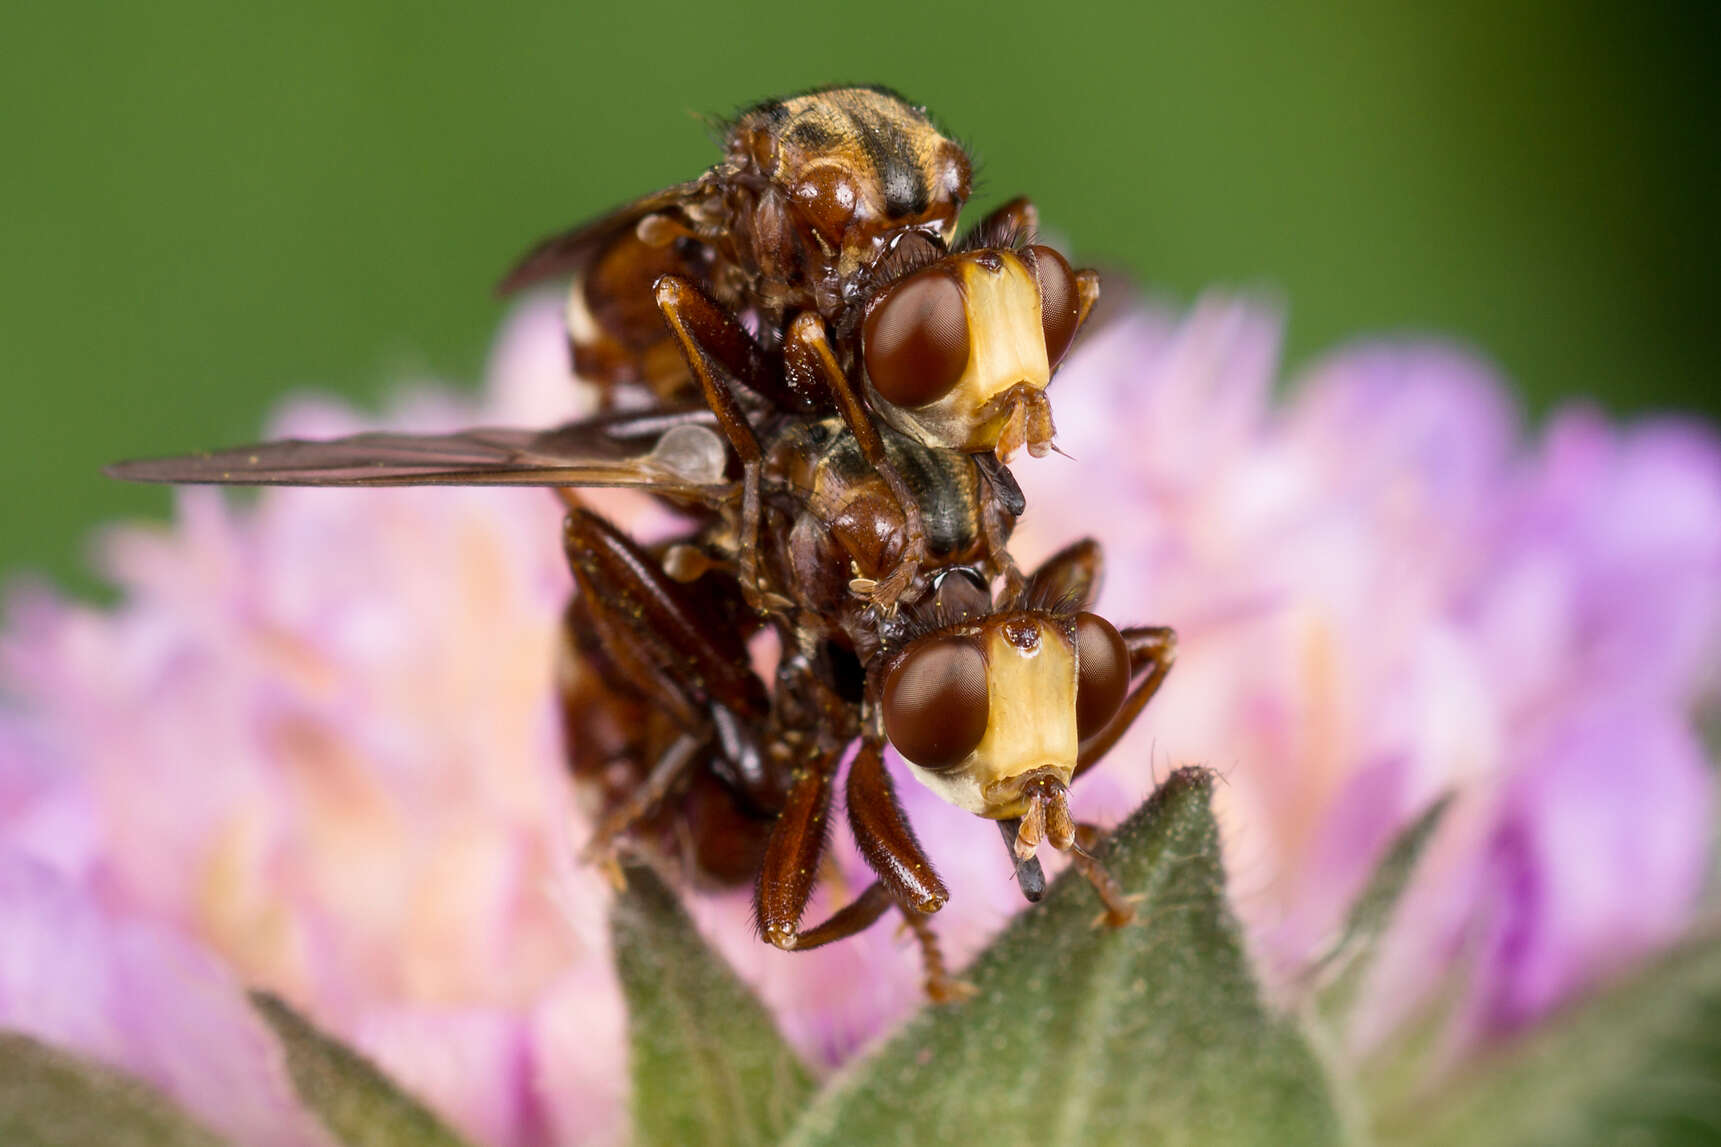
x,y
1060,301
935,702
915,339
1103,673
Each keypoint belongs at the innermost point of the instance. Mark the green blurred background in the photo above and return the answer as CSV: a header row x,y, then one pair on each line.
x,y
204,206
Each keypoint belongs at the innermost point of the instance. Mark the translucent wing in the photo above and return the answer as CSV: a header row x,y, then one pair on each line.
x,y
564,253
678,457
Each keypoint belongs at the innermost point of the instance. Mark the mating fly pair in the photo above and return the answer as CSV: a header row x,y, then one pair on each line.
x,y
816,269
797,356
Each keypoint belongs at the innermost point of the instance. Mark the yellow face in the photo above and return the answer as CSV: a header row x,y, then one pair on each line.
x,y
959,353
1006,350
1030,681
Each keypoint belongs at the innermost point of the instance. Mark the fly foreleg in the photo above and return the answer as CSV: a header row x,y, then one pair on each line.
x,y
719,350
863,912
792,854
1152,652
884,837
807,357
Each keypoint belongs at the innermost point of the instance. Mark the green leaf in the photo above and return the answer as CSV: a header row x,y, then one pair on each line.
x,y
1150,1034
709,1066
349,1093
1640,1063
1340,973
50,1098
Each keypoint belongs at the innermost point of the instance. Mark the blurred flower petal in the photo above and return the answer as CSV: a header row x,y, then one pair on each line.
x,y
316,749
132,994
1380,596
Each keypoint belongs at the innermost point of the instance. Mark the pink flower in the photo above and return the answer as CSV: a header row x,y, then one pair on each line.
x,y
315,751
315,747
1382,596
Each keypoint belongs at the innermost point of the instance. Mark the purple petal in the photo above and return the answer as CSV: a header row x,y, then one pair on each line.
x,y
133,995
1599,857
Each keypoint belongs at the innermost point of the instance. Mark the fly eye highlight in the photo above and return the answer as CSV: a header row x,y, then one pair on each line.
x,y
915,339
935,701
1102,677
1060,301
